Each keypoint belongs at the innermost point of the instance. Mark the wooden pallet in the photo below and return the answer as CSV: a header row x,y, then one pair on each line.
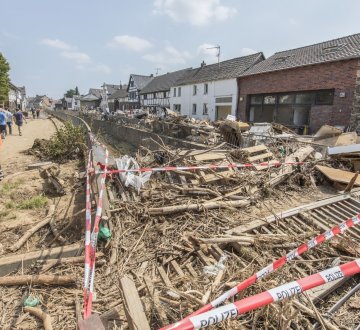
x,y
258,154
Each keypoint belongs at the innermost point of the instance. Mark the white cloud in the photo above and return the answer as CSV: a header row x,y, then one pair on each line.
x,y
132,43
197,12
99,68
56,43
78,57
247,51
170,56
208,53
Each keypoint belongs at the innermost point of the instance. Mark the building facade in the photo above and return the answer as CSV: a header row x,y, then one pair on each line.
x,y
156,94
135,85
210,91
305,87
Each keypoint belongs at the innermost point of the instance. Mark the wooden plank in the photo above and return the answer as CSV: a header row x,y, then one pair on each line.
x,y
177,268
210,156
265,156
337,175
14,262
164,276
205,260
190,269
134,310
252,150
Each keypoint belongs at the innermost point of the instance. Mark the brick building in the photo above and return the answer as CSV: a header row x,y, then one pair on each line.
x,y
305,87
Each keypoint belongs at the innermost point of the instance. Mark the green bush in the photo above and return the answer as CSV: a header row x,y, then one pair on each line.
x,y
36,202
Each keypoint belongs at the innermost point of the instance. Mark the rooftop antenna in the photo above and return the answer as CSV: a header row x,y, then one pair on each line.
x,y
157,71
218,53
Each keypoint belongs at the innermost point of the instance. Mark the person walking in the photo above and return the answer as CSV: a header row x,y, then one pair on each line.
x,y
2,124
8,116
37,113
19,118
33,112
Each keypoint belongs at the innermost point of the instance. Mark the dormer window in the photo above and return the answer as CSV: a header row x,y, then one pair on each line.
x,y
281,59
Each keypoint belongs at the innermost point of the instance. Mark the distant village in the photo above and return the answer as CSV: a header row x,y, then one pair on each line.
x,y
303,87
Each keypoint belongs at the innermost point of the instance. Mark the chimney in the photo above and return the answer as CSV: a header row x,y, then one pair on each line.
x,y
152,76
203,64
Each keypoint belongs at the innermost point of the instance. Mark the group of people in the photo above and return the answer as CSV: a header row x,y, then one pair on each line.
x,y
7,119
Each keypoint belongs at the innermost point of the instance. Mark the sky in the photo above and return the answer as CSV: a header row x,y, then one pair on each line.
x,y
53,46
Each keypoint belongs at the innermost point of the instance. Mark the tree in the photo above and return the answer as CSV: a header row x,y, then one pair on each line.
x,y
4,79
77,91
70,93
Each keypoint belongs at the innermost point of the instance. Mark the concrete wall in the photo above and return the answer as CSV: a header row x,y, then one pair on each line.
x,y
130,135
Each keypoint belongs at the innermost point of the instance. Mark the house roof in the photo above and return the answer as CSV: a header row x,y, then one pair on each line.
x,y
224,70
118,94
112,88
328,51
89,97
140,81
96,92
164,82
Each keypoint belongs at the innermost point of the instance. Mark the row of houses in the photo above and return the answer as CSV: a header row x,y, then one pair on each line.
x,y
307,86
17,97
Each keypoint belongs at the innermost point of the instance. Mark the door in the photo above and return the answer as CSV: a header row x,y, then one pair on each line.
x,y
222,111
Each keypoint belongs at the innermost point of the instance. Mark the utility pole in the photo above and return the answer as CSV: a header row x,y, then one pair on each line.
x,y
157,71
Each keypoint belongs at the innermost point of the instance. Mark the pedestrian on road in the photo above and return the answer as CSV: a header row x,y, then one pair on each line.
x,y
33,112
2,124
19,118
37,113
8,116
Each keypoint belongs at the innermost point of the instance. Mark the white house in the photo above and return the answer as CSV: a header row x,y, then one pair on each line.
x,y
136,84
157,92
211,91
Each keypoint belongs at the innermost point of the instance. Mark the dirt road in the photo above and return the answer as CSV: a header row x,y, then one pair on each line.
x,y
11,151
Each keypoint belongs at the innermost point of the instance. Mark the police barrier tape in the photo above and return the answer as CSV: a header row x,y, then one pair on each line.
x,y
200,167
265,298
338,229
89,281
87,234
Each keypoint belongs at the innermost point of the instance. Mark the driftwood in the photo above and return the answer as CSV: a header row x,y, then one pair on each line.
x,y
48,264
41,315
33,230
197,207
38,279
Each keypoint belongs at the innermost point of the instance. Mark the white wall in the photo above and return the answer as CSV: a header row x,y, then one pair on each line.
x,y
219,88
158,100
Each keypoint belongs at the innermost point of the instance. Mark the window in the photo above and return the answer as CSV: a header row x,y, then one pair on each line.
x,y
205,109
179,91
194,109
175,92
177,107
154,95
145,96
131,83
269,99
324,98
304,98
226,99
256,99
206,88
164,95
194,90
286,99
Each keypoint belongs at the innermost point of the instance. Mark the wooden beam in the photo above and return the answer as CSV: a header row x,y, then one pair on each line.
x,y
134,309
16,261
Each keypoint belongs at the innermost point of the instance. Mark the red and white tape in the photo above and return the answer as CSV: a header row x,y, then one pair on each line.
x,y
90,273
87,234
202,167
338,229
265,298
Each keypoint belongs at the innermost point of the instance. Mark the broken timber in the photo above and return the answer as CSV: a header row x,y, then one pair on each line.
x,y
134,309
